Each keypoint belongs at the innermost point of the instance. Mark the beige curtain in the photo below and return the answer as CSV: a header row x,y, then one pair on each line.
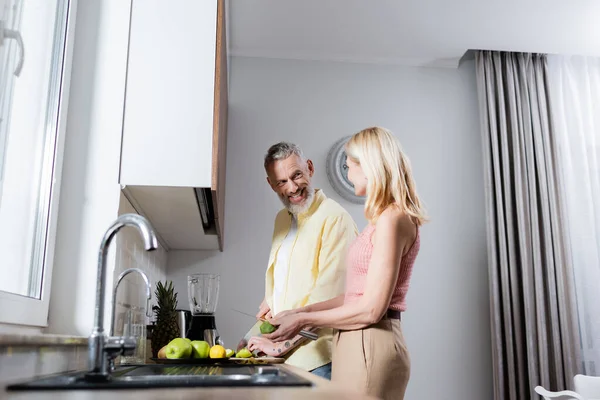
x,y
534,332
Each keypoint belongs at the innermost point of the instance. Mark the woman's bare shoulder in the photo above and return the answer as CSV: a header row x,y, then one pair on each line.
x,y
396,222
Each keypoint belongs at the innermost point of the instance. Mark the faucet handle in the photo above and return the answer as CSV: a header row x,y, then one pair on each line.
x,y
129,346
117,345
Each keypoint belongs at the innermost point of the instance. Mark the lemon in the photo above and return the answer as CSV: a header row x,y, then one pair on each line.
x,y
229,353
217,351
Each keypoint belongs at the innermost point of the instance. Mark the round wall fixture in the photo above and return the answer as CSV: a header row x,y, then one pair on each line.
x,y
337,172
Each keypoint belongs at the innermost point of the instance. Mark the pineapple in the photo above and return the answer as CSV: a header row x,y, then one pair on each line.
x,y
166,328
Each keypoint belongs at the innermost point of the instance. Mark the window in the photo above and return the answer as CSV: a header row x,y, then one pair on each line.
x,y
33,77
574,83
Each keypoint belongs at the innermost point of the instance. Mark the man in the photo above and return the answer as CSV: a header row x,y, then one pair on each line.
x,y
307,261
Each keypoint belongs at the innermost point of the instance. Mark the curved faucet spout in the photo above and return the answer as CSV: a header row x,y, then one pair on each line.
x,y
150,243
101,348
114,296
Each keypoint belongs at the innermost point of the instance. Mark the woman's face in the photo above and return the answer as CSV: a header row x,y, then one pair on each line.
x,y
357,177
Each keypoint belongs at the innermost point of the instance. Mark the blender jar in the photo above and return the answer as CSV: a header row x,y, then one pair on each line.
x,y
203,293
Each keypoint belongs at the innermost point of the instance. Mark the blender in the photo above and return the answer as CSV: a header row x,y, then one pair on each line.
x,y
203,295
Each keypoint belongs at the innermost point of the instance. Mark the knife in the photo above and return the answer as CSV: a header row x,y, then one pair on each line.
x,y
249,315
254,331
303,333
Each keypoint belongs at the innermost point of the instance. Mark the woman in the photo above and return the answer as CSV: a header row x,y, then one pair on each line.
x,y
369,349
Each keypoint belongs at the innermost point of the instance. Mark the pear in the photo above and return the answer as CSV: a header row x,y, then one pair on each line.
x,y
162,353
244,353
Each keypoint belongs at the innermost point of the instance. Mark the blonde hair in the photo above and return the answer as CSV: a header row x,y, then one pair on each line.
x,y
388,173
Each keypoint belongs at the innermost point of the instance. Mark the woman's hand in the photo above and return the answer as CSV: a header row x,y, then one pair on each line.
x,y
287,313
288,326
264,345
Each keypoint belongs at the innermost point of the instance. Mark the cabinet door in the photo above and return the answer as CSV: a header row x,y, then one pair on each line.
x,y
169,99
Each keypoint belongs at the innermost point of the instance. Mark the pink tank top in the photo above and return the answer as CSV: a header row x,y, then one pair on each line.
x,y
359,257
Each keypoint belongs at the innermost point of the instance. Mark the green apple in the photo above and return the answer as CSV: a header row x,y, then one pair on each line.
x,y
179,348
266,327
188,340
229,353
200,349
244,353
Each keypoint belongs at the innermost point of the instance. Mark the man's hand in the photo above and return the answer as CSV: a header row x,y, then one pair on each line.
x,y
264,311
266,346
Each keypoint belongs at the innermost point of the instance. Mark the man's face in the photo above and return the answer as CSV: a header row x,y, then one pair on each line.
x,y
290,179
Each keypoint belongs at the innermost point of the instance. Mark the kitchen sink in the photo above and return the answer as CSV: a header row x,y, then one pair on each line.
x,y
161,376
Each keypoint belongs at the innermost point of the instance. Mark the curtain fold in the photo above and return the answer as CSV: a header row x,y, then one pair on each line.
x,y
534,339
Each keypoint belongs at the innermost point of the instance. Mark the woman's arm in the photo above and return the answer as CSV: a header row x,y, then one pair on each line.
x,y
393,232
323,305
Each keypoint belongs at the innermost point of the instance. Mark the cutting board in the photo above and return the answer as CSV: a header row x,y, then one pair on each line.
x,y
258,360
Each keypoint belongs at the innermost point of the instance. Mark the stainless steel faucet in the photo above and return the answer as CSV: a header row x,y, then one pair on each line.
x,y
111,356
103,348
114,296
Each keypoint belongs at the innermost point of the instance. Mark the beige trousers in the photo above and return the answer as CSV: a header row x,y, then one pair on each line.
x,y
373,360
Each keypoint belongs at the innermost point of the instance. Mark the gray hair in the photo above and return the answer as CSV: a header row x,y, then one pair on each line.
x,y
281,151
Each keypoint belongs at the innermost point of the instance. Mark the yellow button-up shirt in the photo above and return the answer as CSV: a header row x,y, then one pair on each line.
x,y
317,268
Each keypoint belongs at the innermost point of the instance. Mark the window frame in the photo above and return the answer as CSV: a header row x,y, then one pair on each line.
x,y
22,310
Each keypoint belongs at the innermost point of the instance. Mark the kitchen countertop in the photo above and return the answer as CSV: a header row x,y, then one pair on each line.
x,y
323,389
40,339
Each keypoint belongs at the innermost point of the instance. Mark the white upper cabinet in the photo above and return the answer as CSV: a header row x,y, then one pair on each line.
x,y
175,120
170,94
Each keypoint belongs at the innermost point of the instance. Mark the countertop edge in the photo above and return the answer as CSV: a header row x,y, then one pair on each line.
x,y
322,390
41,339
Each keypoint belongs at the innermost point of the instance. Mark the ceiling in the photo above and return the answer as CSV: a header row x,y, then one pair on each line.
x,y
410,32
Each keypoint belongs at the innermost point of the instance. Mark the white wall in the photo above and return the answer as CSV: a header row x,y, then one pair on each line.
x,y
132,295
434,113
90,191
130,254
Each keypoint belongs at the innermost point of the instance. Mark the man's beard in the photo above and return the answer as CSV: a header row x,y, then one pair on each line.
x,y
299,208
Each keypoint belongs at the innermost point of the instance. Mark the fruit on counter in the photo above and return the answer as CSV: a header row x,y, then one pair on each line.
x,y
244,353
166,328
266,327
162,353
217,351
179,348
229,353
200,349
